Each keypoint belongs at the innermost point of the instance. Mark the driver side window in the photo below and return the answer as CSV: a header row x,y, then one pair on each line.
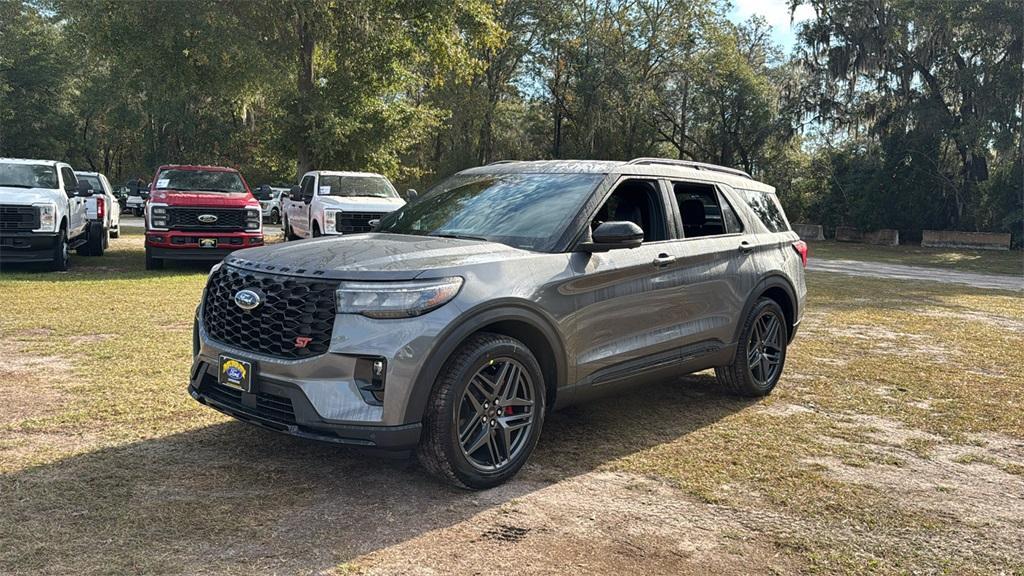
x,y
638,201
307,186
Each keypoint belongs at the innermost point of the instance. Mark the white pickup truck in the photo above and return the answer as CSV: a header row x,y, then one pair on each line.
x,y
102,207
43,213
327,202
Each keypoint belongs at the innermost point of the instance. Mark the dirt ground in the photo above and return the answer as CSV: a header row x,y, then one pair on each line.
x,y
894,444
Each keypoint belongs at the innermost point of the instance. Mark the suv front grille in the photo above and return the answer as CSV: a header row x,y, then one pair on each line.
x,y
292,308
353,222
267,406
182,218
19,218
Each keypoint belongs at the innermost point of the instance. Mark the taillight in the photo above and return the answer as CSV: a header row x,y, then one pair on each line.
x,y
100,207
801,248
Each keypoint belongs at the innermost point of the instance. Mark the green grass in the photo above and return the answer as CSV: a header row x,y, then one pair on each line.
x,y
107,466
987,261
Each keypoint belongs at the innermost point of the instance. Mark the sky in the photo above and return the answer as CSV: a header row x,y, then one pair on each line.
x,y
776,12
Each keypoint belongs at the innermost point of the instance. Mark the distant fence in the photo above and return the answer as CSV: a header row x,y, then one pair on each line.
x,y
954,239
809,231
882,237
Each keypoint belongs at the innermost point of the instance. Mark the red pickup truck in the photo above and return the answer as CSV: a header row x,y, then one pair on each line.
x,y
199,213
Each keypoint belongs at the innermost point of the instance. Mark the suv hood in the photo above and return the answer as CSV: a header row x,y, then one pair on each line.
x,y
203,199
371,256
23,196
362,203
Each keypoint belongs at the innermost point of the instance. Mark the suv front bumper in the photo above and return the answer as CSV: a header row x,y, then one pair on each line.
x,y
319,397
27,246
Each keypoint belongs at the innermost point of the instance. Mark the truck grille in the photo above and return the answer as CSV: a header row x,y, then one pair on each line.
x,y
353,222
182,218
292,308
19,218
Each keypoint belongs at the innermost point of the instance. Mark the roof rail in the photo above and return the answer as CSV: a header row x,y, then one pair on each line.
x,y
500,162
691,164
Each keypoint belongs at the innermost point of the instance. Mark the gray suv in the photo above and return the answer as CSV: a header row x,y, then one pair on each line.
x,y
505,291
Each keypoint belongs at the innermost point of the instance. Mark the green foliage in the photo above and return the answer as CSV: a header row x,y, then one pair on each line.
x,y
895,113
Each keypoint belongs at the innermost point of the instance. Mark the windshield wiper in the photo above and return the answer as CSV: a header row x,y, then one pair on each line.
x,y
17,186
460,237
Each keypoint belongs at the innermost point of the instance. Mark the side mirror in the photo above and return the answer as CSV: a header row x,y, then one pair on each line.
x,y
373,224
411,194
614,236
144,194
295,194
84,189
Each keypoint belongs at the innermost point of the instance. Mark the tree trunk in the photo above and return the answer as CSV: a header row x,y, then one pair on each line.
x,y
307,52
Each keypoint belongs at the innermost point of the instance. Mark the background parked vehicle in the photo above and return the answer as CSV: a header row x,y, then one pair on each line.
x,y
199,213
138,191
43,213
507,289
102,206
270,202
327,202
121,194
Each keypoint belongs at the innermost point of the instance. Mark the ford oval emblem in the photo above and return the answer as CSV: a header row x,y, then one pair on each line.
x,y
247,299
207,218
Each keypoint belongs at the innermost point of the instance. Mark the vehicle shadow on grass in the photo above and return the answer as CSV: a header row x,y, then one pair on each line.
x,y
233,498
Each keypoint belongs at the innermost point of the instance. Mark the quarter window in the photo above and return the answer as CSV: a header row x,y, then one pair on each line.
x,y
767,208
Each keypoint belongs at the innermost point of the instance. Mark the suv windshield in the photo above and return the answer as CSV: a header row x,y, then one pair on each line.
x,y
261,195
28,176
199,181
526,211
374,186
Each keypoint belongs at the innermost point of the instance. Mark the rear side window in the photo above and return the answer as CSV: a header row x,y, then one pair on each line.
x,y
703,210
767,208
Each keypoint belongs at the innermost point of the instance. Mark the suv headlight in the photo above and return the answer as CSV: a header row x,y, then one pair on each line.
x,y
253,219
157,216
396,299
330,218
47,217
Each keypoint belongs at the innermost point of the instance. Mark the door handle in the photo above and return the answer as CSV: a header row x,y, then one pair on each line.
x,y
663,260
745,247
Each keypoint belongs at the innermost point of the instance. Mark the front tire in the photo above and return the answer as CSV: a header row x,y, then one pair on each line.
x,y
760,354
61,252
275,217
485,413
153,263
289,234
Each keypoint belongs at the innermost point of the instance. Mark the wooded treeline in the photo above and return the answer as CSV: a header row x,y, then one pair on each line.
x,y
888,113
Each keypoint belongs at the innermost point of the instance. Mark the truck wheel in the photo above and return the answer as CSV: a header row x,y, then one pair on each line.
x,y
116,232
153,263
289,234
61,255
761,353
94,243
275,217
106,239
137,211
485,413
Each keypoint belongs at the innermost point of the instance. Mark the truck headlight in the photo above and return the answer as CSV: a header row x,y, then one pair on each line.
x,y
330,219
396,299
157,216
253,219
47,217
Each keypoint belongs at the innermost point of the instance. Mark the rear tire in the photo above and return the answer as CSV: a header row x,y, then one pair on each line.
x,y
94,242
485,413
760,353
61,255
153,263
116,232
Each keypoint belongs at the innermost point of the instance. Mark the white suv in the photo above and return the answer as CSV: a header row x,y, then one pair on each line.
x,y
327,202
